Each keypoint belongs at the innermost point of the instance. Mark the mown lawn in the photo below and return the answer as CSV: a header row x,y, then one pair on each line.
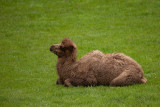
x,y
29,27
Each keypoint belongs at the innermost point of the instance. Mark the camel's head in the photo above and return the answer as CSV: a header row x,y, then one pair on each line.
x,y
66,48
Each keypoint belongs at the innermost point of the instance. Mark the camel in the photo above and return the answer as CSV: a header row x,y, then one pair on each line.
x,y
95,68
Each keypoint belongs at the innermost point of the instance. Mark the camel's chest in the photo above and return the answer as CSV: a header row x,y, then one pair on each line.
x,y
63,72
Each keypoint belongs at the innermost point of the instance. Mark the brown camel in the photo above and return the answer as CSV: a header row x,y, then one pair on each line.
x,y
95,68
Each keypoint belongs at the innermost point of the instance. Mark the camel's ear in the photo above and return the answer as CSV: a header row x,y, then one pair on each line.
x,y
74,52
74,46
71,48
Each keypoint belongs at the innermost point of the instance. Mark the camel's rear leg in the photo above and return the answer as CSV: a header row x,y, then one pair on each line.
x,y
128,77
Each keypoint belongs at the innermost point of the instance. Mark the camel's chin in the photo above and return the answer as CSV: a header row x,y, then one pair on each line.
x,y
53,52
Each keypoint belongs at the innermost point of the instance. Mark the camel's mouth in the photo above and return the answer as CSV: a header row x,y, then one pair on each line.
x,y
52,50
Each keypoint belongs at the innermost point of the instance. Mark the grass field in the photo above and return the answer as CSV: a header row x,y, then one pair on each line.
x,y
29,27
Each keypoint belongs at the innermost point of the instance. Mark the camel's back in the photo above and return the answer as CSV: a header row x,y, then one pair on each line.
x,y
110,60
111,65
105,67
94,54
86,62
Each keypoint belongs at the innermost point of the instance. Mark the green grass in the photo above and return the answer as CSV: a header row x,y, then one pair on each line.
x,y
29,27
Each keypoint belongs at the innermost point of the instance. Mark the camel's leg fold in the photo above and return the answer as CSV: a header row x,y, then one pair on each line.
x,y
128,77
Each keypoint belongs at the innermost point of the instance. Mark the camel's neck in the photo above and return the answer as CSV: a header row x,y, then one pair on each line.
x,y
65,66
68,59
64,61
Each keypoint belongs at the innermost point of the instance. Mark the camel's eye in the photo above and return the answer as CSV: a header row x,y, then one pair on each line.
x,y
61,47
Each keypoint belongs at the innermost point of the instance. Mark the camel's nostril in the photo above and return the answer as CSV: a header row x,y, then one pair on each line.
x,y
51,48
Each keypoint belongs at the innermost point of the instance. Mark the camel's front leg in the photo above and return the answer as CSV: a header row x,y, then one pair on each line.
x,y
79,82
74,82
59,81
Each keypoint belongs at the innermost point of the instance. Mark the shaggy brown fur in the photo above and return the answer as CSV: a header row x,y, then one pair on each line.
x,y
95,68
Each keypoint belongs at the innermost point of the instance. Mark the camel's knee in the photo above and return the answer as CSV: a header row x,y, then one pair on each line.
x,y
67,83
